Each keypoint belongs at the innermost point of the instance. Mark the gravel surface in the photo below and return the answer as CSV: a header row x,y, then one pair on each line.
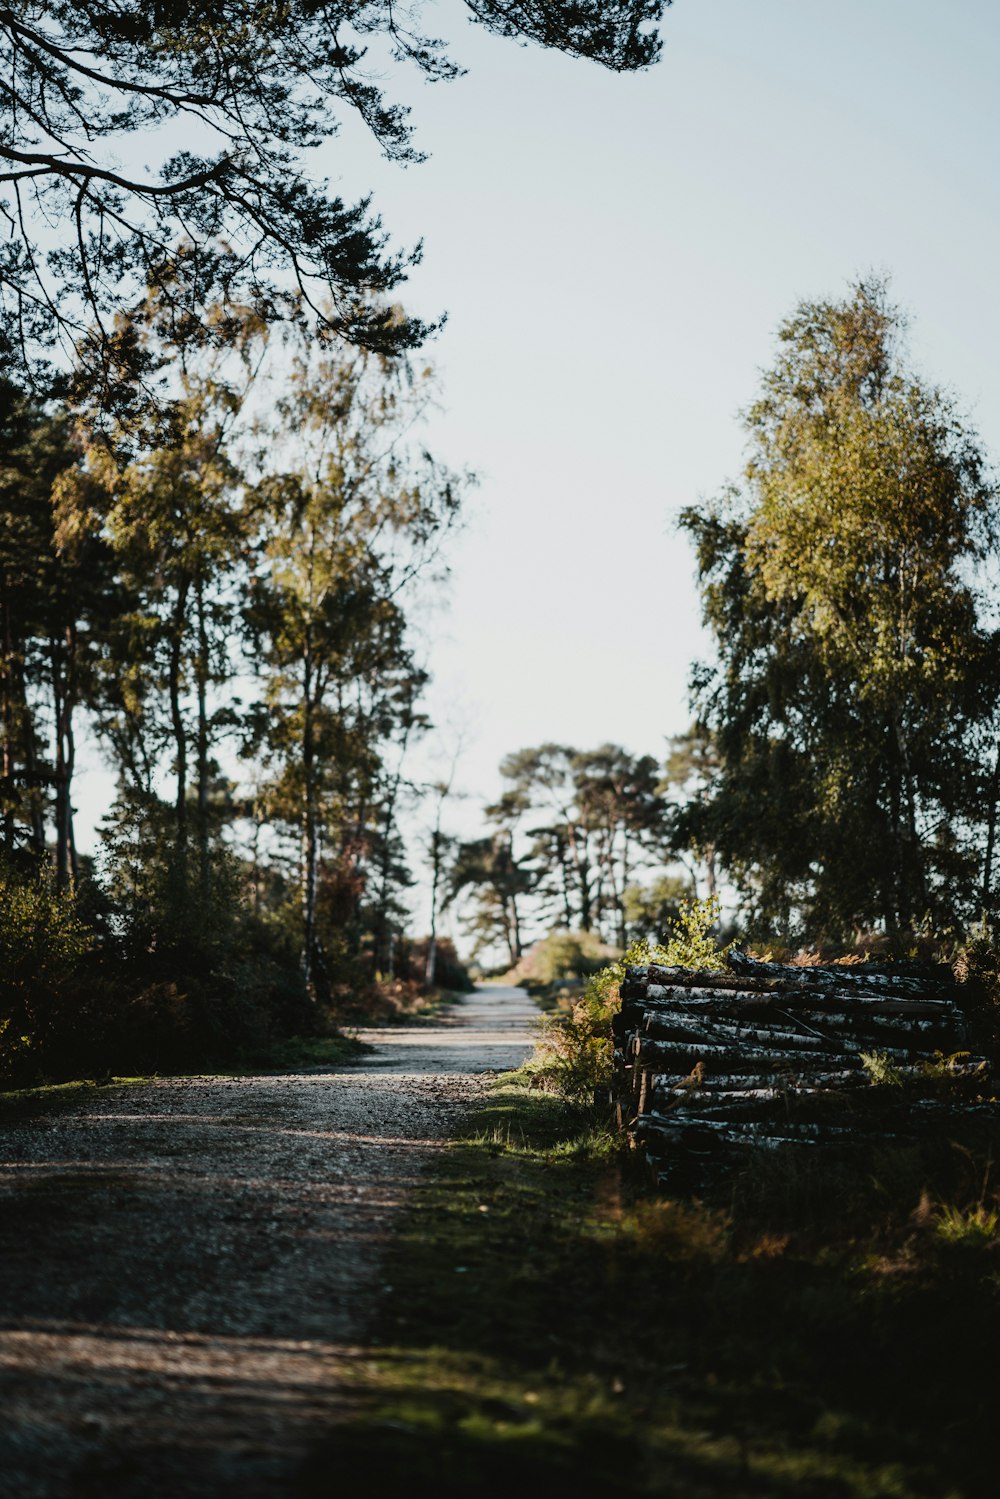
x,y
188,1266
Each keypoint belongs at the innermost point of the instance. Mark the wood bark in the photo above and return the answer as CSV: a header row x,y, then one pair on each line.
x,y
176,715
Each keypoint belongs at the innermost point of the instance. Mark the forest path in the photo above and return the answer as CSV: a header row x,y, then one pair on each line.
x,y
188,1265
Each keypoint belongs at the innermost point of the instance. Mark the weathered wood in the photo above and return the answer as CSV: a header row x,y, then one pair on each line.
x,y
868,1030
679,996
662,1098
840,976
700,978
709,1136
947,1022
681,1124
677,1027
733,1108
711,1064
779,1079
649,1053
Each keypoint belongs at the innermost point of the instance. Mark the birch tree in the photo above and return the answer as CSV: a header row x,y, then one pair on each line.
x,y
847,584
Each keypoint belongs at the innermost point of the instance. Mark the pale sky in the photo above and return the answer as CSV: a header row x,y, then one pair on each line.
x,y
614,255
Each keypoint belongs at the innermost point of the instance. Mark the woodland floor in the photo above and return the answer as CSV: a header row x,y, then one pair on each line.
x,y
190,1265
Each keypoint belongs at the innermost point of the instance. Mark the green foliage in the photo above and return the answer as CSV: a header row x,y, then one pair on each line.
x,y
42,936
598,1342
967,1228
135,576
85,77
43,941
879,1067
655,907
561,955
691,943
160,966
852,709
208,977
499,880
450,973
575,1052
595,815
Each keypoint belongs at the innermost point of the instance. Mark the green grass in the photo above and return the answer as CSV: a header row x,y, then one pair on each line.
x,y
298,1053
50,1098
811,1329
294,1054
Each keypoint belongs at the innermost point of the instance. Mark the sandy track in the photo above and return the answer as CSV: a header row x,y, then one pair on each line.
x,y
187,1267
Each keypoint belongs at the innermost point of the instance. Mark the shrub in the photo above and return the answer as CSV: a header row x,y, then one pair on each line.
x,y
42,942
969,1228
170,969
563,955
575,1054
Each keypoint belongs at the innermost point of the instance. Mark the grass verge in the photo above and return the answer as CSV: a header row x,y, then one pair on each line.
x,y
293,1054
811,1329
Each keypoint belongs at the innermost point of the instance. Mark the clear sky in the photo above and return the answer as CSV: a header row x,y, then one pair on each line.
x,y
614,255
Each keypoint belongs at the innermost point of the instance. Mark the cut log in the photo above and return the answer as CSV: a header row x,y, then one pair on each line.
x,y
649,1053
782,1081
700,978
680,996
748,1130
737,1101
873,980
674,1027
819,1031
708,1137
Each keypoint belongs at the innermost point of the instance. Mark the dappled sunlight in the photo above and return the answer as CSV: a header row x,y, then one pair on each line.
x,y
146,1408
189,1265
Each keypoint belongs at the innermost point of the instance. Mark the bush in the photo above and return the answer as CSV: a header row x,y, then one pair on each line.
x,y
207,978
575,1053
562,955
169,969
42,944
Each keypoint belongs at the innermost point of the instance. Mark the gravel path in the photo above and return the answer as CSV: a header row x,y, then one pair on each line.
x,y
188,1266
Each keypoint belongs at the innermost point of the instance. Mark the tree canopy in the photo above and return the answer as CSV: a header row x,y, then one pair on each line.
x,y
227,101
853,703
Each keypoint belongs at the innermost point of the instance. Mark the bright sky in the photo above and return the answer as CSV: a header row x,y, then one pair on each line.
x,y
614,254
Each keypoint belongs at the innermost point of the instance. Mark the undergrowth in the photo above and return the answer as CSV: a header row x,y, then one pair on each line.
x,y
809,1329
575,1050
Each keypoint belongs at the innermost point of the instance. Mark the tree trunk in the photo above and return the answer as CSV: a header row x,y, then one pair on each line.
x,y
430,965
310,824
34,776
895,901
711,873
385,943
62,654
564,869
202,736
515,919
991,833
8,766
619,893
916,853
176,716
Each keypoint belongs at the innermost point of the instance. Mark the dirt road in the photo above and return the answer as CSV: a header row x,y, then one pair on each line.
x,y
188,1266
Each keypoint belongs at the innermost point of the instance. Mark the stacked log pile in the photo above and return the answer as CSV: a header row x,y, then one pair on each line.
x,y
770,1055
